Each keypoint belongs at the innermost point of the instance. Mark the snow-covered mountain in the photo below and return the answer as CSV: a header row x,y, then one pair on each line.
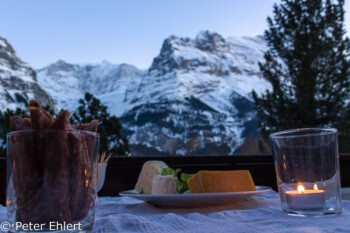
x,y
198,90
18,81
67,83
195,97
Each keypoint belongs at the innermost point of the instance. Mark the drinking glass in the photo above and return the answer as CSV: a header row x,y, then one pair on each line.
x,y
51,182
307,169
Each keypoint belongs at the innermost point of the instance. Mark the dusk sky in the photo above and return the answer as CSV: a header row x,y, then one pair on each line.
x,y
86,31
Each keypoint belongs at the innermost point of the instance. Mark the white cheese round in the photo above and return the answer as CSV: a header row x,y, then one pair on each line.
x,y
163,185
149,170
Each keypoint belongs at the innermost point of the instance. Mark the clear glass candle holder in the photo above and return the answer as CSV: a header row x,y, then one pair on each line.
x,y
307,169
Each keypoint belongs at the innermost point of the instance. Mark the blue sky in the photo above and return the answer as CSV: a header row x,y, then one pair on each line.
x,y
86,31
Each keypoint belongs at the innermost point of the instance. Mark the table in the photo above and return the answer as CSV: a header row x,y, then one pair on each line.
x,y
261,213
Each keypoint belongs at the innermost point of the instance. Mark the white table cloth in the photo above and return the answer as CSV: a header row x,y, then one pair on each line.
x,y
261,213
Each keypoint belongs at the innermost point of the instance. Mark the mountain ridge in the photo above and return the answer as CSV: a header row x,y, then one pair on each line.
x,y
193,99
18,81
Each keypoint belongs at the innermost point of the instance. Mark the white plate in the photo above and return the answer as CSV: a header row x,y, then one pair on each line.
x,y
190,200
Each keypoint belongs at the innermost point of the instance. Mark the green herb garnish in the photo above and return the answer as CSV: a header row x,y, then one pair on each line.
x,y
180,181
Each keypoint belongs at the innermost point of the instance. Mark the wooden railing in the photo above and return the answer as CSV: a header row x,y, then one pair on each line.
x,y
122,172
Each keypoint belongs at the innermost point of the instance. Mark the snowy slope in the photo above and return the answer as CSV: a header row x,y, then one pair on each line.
x,y
18,81
67,83
195,97
198,90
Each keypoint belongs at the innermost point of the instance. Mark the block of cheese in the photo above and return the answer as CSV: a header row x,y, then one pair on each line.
x,y
149,170
163,185
221,181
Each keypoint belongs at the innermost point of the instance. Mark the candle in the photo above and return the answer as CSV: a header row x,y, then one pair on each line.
x,y
305,199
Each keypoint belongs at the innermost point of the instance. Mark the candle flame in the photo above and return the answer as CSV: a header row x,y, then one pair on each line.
x,y
315,187
301,189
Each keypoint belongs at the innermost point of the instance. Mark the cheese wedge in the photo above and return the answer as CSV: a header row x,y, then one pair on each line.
x,y
163,185
149,170
221,181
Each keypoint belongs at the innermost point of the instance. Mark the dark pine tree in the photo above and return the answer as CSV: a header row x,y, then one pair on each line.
x,y
308,66
5,126
109,128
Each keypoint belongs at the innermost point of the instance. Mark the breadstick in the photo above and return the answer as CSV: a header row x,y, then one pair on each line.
x,y
56,196
25,172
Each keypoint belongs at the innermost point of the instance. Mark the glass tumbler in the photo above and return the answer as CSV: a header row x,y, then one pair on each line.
x,y
307,169
51,180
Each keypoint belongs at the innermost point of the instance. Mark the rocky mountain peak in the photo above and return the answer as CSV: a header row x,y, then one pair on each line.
x,y
5,46
18,83
165,61
8,56
210,53
204,40
61,65
210,42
